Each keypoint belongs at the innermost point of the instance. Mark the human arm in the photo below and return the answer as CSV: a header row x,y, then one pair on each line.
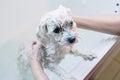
x,y
107,24
34,61
37,71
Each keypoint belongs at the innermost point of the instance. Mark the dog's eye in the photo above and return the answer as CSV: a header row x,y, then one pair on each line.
x,y
57,30
71,23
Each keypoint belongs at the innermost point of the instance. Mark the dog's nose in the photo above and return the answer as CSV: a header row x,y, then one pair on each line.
x,y
71,39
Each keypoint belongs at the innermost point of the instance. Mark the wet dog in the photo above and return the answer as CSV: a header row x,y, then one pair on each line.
x,y
57,34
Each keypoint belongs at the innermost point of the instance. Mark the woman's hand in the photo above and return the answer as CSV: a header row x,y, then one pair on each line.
x,y
34,53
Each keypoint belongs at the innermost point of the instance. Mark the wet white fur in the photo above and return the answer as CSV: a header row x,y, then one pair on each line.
x,y
55,45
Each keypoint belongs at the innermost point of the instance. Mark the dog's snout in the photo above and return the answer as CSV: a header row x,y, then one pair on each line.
x,y
71,39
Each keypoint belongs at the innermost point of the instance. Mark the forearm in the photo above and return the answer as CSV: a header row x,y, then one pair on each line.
x,y
37,71
107,24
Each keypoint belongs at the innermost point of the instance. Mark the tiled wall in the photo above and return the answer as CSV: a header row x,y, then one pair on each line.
x,y
110,69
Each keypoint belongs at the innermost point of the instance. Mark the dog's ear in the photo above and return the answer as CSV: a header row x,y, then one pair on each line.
x,y
45,28
41,34
42,29
38,32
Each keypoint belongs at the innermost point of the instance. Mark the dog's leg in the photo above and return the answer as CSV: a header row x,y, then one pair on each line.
x,y
89,57
61,72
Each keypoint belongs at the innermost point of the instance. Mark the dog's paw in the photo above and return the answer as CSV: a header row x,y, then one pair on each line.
x,y
89,57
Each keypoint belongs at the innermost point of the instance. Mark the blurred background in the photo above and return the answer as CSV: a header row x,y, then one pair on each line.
x,y
19,19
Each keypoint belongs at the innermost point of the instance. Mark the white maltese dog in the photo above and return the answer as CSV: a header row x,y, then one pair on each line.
x,y
56,33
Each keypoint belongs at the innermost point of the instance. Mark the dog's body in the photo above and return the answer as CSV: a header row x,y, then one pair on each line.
x,y
56,34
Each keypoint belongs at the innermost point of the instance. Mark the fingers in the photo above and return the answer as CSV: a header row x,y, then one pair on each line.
x,y
34,42
35,51
35,45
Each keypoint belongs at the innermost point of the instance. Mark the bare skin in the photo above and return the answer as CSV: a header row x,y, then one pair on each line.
x,y
108,24
34,61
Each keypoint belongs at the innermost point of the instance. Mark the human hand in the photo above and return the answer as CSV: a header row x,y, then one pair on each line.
x,y
34,52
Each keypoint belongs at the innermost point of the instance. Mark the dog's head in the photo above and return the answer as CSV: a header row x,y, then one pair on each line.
x,y
57,27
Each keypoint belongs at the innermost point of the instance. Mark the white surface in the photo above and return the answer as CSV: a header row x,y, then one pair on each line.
x,y
80,68
18,21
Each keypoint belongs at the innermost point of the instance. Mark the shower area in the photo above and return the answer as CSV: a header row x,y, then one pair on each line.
x,y
20,18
